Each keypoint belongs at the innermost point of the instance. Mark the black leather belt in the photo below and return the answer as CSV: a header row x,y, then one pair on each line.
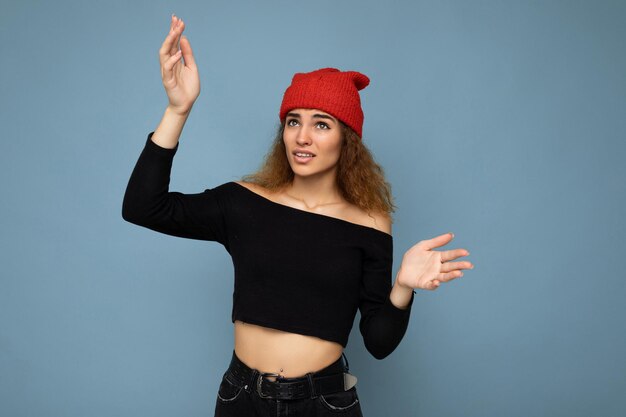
x,y
309,386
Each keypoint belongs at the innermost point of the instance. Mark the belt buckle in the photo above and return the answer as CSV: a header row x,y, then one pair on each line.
x,y
259,381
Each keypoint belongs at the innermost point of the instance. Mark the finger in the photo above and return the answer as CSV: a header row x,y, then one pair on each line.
x,y
449,276
187,52
451,254
168,66
437,241
451,266
178,31
170,44
165,52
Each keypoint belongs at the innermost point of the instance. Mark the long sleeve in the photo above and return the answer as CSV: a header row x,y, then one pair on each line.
x,y
382,324
149,203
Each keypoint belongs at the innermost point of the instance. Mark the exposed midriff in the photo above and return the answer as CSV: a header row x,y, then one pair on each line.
x,y
270,350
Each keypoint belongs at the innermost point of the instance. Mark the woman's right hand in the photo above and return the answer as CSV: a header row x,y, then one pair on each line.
x,y
180,77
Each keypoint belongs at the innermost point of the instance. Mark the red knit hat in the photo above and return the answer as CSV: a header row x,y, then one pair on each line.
x,y
328,89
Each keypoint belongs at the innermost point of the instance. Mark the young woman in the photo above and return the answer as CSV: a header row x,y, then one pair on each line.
x,y
310,238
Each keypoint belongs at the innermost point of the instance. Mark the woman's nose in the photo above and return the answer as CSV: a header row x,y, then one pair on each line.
x,y
303,137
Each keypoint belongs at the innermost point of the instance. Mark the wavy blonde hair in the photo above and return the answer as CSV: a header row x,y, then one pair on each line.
x,y
361,181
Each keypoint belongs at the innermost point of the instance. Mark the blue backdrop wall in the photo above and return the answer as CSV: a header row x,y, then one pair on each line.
x,y
500,121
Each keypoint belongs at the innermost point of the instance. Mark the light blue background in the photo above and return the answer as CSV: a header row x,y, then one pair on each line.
x,y
500,121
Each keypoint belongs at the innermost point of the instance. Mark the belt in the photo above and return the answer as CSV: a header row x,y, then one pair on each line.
x,y
308,386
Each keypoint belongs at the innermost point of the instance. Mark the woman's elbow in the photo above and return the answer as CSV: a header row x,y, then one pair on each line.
x,y
377,351
132,214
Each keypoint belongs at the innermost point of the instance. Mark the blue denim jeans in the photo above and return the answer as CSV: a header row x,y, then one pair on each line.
x,y
244,401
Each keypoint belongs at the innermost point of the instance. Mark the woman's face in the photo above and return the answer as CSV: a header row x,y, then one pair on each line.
x,y
313,142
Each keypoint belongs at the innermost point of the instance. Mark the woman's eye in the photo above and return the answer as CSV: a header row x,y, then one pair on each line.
x,y
323,125
292,122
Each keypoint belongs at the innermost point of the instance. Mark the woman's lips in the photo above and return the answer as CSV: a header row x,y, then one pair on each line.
x,y
302,157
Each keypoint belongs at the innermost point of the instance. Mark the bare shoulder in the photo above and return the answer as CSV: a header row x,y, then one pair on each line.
x,y
248,185
348,212
375,219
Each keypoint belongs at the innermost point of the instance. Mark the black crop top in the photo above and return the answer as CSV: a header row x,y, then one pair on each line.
x,y
296,271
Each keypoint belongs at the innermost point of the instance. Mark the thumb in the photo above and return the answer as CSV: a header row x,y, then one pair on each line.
x,y
185,48
438,241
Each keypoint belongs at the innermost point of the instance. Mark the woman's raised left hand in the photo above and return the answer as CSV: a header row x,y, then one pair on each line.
x,y
425,268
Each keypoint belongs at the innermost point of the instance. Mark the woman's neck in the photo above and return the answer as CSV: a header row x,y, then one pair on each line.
x,y
314,192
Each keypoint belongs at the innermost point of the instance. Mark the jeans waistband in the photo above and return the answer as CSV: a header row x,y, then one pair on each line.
x,y
332,378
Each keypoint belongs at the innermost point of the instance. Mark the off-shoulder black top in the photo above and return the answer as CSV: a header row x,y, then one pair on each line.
x,y
295,270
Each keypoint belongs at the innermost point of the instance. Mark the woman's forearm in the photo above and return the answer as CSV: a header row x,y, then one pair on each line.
x,y
400,295
171,126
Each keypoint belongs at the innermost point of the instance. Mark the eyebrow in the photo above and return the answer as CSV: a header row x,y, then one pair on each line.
x,y
317,115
